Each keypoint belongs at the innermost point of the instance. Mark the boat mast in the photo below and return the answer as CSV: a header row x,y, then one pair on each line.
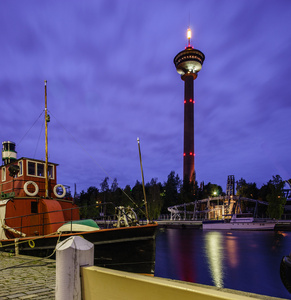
x,y
143,188
46,143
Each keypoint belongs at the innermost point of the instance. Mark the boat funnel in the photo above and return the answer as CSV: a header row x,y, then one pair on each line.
x,y
8,152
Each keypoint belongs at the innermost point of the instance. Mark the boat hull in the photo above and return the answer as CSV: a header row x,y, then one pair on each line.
x,y
130,249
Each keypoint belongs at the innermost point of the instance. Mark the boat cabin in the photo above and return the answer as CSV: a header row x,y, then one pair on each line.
x,y
23,202
26,177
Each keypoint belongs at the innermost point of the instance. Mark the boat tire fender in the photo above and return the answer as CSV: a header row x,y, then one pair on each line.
x,y
63,193
27,192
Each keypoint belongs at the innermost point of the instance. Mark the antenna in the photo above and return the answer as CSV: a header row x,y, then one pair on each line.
x,y
189,35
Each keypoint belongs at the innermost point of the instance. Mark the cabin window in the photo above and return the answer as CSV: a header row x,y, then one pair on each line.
x,y
51,172
40,170
4,174
20,164
31,168
33,206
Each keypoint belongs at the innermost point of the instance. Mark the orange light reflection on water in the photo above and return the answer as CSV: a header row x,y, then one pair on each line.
x,y
232,250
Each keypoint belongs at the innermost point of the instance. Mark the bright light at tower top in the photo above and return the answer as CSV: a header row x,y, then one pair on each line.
x,y
189,35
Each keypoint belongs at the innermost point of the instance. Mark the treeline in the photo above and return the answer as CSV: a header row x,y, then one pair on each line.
x,y
174,191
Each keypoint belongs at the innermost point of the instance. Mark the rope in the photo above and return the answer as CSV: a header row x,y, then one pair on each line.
x,y
30,128
38,138
94,160
27,240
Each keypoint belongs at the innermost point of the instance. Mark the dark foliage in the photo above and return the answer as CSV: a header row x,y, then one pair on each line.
x,y
173,192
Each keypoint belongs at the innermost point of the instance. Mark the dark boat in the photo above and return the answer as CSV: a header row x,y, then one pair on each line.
x,y
32,223
34,210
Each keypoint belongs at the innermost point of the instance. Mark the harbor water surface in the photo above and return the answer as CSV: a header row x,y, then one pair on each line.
x,y
246,261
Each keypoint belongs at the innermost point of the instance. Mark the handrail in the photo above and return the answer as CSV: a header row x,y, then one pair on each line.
x,y
43,224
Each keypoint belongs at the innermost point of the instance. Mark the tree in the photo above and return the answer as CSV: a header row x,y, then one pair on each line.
x,y
154,199
126,196
104,194
115,196
187,191
248,190
275,197
138,198
88,203
211,190
171,191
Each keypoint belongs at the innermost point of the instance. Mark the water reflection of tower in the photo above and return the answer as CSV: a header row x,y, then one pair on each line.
x,y
188,63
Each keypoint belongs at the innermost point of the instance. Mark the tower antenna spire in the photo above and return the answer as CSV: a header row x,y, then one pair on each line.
x,y
189,35
189,32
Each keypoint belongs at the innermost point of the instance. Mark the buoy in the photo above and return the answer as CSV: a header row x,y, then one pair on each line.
x,y
28,193
63,193
31,243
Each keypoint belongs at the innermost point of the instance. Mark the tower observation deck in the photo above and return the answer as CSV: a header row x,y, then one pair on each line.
x,y
188,63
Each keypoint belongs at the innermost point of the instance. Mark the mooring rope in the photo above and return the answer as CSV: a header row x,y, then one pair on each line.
x,y
28,264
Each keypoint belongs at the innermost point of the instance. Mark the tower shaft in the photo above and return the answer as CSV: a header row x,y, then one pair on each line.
x,y
188,161
188,63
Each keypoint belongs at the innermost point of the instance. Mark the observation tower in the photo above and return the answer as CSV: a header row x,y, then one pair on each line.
x,y
188,63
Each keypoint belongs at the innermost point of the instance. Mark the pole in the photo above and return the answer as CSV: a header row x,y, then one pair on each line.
x,y
144,193
46,143
71,254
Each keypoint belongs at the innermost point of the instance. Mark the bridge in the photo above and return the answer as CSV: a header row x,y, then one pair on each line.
x,y
214,208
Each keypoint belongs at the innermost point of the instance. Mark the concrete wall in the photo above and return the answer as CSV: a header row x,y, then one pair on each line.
x,y
101,283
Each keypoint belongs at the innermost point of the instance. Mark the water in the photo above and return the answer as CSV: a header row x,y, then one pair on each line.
x,y
246,261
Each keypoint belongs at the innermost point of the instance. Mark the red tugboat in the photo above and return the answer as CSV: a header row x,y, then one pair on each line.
x,y
36,213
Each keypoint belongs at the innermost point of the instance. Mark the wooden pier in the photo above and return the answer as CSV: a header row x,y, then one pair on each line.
x,y
284,225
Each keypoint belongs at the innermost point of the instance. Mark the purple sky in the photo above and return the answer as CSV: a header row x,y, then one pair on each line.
x,y
111,79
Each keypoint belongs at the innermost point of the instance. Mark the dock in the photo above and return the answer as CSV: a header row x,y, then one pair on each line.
x,y
26,277
180,224
284,225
